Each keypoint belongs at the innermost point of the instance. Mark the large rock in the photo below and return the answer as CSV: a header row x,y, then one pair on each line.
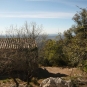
x,y
55,82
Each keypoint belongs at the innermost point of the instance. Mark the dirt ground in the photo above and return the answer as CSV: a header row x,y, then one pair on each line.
x,y
45,72
66,71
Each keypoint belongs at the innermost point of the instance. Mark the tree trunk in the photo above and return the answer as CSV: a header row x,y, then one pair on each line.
x,y
17,84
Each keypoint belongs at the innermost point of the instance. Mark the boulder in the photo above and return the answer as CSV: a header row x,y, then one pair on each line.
x,y
55,82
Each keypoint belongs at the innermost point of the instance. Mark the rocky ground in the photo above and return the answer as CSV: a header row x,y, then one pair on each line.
x,y
46,72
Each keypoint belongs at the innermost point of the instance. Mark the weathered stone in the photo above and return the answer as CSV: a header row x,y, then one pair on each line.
x,y
55,82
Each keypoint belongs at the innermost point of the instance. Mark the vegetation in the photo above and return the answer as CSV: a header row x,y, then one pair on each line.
x,y
68,51
22,59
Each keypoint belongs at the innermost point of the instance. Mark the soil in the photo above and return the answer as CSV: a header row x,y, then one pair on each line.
x,y
66,71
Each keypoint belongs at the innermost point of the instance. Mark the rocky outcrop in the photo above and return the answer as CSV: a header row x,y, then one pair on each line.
x,y
55,82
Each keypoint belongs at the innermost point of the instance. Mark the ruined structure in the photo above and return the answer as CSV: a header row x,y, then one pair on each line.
x,y
18,54
17,43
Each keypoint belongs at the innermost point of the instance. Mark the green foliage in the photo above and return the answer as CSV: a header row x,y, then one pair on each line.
x,y
76,39
53,53
68,34
85,66
72,49
49,51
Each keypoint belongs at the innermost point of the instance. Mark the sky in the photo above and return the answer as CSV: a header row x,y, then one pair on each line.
x,y
54,15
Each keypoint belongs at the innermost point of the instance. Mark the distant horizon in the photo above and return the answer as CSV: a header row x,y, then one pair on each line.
x,y
41,34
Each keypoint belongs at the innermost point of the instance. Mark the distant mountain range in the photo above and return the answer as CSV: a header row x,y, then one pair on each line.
x,y
54,36
50,36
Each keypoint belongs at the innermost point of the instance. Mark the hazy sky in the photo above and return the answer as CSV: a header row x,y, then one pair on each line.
x,y
54,15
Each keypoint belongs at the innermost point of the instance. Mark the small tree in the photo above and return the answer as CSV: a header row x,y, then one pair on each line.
x,y
27,56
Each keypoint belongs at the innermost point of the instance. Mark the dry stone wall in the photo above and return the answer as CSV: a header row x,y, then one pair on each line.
x,y
17,53
15,43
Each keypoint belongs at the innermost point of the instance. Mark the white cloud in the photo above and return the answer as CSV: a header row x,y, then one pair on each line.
x,y
36,15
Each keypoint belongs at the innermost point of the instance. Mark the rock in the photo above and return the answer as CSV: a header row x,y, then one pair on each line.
x,y
69,83
55,82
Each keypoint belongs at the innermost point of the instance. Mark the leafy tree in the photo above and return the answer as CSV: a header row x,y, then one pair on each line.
x,y
68,34
76,39
53,53
49,51
81,23
81,31
60,57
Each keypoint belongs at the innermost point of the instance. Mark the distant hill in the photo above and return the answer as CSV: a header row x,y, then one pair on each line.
x,y
2,36
50,36
54,36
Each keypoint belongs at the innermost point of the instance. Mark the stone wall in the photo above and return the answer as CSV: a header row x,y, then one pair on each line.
x,y
15,43
17,52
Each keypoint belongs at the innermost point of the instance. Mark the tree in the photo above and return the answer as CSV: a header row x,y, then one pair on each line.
x,y
81,23
49,50
76,39
53,54
26,54
31,30
81,30
68,34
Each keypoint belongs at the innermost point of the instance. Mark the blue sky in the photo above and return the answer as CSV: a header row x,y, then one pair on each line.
x,y
54,15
